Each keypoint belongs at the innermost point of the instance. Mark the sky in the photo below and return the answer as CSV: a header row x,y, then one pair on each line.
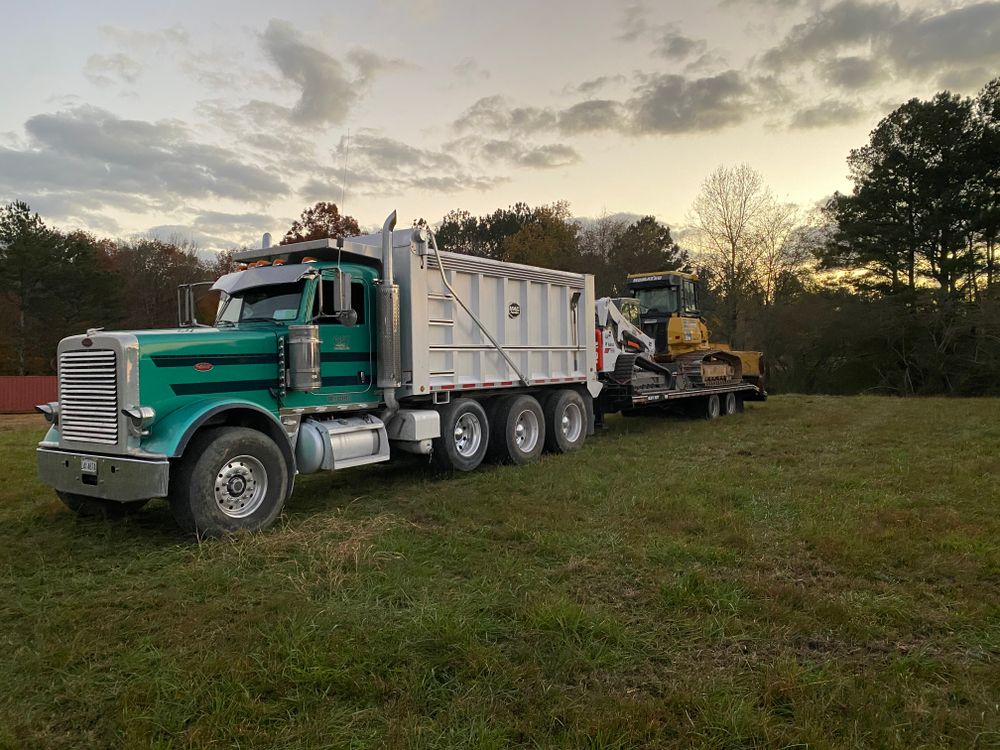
x,y
215,121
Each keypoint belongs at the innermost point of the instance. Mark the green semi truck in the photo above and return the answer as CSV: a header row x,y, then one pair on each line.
x,y
327,355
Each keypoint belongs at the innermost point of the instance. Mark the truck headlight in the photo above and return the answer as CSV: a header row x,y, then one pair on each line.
x,y
50,411
139,419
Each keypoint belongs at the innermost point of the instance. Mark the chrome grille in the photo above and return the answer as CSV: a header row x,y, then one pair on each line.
x,y
88,396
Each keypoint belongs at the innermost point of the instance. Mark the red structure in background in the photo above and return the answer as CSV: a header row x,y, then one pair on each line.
x,y
19,394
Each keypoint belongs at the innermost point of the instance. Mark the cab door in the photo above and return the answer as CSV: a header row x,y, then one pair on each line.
x,y
347,352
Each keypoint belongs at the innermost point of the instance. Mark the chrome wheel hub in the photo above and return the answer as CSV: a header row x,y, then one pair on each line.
x,y
526,430
240,486
571,423
468,435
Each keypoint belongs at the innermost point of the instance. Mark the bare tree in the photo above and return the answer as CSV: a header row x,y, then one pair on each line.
x,y
726,215
783,246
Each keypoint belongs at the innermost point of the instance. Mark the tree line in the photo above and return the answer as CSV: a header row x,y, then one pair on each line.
x,y
890,288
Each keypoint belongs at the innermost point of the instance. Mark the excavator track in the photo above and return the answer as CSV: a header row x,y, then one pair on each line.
x,y
711,368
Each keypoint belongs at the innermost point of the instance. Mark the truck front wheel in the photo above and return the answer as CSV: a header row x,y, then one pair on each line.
x,y
230,479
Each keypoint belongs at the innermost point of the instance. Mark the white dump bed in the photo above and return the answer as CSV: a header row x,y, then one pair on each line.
x,y
543,320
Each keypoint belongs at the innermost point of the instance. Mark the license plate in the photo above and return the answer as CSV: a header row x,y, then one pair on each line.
x,y
88,465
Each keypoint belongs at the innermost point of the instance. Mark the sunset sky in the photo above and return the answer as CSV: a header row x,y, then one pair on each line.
x,y
216,121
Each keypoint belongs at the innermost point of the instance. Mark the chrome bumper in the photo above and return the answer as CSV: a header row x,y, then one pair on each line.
x,y
116,478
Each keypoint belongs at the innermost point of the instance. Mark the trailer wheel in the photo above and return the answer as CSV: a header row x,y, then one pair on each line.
x,y
230,479
565,421
517,431
729,405
712,407
98,507
464,436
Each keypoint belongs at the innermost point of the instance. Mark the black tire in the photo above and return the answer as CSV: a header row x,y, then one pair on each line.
x,y
712,407
565,421
517,430
215,489
96,507
465,436
729,404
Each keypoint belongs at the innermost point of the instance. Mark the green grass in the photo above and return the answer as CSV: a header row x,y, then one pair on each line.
x,y
820,572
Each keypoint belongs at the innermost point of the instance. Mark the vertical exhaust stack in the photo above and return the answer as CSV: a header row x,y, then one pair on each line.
x,y
389,352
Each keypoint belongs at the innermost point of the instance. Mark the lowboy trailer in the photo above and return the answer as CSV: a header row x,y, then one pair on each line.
x,y
332,354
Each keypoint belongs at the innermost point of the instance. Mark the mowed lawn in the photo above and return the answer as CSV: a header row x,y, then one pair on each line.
x,y
818,571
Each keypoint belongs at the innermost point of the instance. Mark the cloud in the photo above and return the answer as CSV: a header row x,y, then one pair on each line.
x,y
661,104
212,231
218,222
966,79
105,70
204,244
847,23
469,70
634,23
388,155
495,115
93,158
673,45
379,165
592,86
370,64
676,104
826,114
956,39
327,94
852,72
884,40
590,116
780,5
518,154
141,41
328,91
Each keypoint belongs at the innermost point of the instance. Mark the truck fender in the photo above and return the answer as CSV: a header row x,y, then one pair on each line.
x,y
171,434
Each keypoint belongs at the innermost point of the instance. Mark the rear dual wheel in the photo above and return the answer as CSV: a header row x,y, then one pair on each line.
x,y
464,436
515,429
566,421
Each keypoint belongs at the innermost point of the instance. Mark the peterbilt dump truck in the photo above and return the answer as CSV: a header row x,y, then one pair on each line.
x,y
332,354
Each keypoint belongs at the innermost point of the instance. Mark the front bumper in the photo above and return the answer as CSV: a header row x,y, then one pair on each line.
x,y
115,478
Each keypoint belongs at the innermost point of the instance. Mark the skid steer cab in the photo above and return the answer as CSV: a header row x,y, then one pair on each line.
x,y
321,356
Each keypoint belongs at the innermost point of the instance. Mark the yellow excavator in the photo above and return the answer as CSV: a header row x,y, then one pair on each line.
x,y
664,306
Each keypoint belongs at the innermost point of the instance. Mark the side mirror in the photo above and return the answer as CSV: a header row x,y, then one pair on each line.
x,y
338,304
191,307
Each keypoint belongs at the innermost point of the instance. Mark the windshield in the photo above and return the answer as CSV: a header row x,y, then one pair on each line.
x,y
279,302
663,300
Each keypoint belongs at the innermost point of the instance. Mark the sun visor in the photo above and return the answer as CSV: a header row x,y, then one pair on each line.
x,y
233,283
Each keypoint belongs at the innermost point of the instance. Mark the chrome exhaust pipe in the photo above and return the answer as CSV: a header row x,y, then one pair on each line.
x,y
389,351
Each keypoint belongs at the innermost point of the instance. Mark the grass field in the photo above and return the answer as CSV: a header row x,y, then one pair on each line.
x,y
820,572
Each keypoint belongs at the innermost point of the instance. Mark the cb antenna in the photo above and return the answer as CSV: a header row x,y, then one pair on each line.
x,y
343,179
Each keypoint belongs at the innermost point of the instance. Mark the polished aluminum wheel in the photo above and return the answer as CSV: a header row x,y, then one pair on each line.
x,y
526,430
240,486
571,423
468,435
